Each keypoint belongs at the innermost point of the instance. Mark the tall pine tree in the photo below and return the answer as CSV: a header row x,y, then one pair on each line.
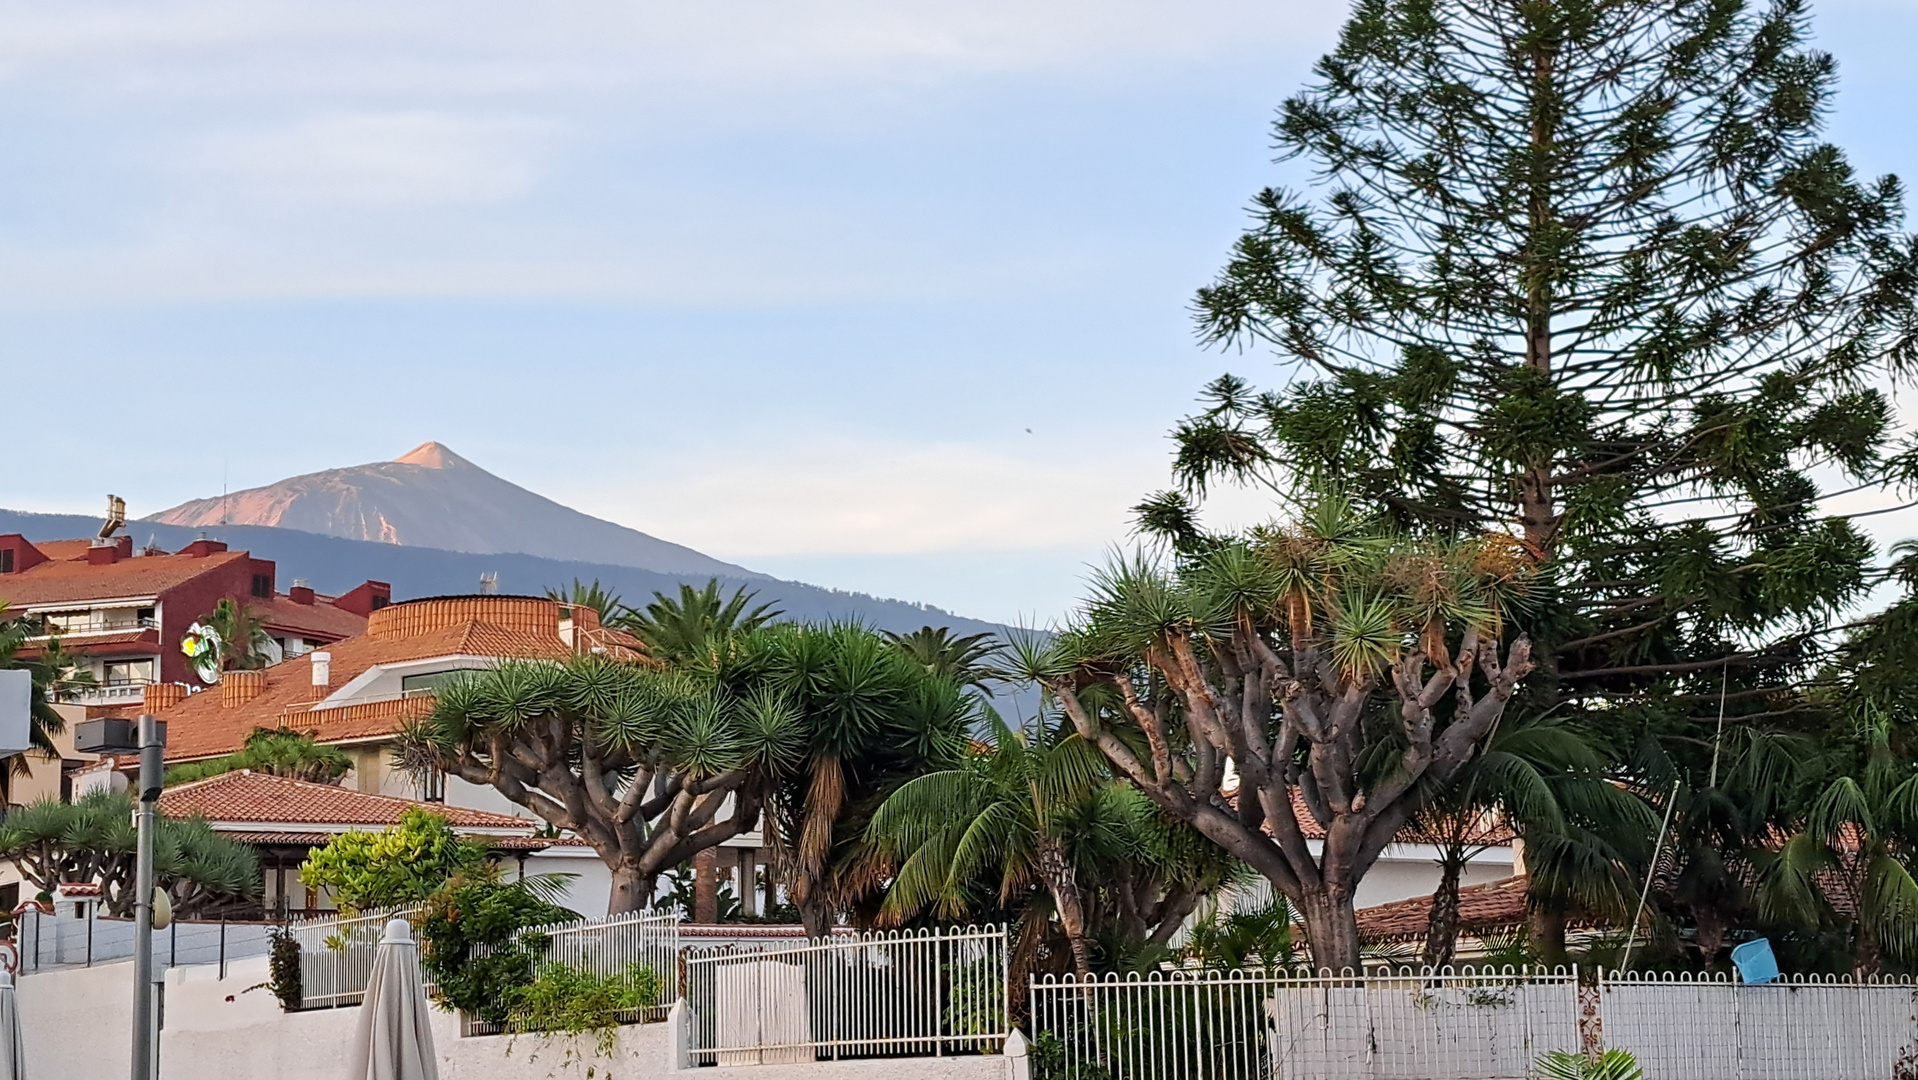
x,y
1583,271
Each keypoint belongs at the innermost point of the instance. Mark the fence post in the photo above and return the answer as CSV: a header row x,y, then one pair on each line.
x,y
91,908
223,947
1018,1065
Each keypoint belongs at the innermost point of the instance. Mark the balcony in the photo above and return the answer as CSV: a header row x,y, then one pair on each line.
x,y
109,693
98,622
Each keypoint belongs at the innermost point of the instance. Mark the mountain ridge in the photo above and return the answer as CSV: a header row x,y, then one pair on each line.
x,y
431,497
334,564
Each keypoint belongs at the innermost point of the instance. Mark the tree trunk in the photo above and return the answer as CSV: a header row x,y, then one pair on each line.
x,y
1711,934
632,890
1548,935
1867,958
1332,932
706,887
1441,923
1064,885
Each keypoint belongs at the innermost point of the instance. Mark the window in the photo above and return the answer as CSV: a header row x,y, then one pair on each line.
x,y
263,586
6,561
429,683
433,785
129,672
68,622
379,601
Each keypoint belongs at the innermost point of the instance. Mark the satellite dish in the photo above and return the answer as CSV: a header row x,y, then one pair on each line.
x,y
16,711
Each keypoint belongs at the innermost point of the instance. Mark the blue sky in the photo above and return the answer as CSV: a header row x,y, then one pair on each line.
x,y
883,296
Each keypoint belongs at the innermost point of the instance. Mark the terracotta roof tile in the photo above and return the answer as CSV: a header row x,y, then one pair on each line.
x,y
318,619
246,797
65,578
200,727
319,839
1496,905
117,643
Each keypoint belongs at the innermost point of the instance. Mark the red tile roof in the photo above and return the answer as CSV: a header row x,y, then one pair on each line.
x,y
117,643
1497,905
68,576
246,797
321,839
201,727
320,619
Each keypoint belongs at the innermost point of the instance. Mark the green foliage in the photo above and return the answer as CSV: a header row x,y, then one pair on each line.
x,y
472,914
93,840
244,642
274,752
689,626
1613,1064
607,605
1242,940
564,1001
964,659
398,865
283,965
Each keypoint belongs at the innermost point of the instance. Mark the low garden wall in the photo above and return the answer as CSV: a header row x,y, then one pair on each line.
x,y
78,1023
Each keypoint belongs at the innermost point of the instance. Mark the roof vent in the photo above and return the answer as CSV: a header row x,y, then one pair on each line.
x,y
322,669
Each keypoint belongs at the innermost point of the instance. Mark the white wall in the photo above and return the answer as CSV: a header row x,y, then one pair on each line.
x,y
78,1022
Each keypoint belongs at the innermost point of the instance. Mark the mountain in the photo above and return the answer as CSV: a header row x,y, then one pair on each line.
x,y
434,498
333,565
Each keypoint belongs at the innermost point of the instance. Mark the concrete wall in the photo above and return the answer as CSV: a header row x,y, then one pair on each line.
x,y
77,1024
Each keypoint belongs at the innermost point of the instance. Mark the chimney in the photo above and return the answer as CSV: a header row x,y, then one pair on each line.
x,y
159,697
239,687
322,669
203,547
103,553
301,592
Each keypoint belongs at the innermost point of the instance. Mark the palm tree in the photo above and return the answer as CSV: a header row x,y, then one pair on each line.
x,y
608,604
243,640
1849,859
872,719
686,627
1013,813
54,674
276,753
943,653
1532,768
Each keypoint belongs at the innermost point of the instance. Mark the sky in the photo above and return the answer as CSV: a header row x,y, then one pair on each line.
x,y
885,296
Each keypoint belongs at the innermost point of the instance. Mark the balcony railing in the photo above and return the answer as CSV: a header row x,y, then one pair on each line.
x,y
98,622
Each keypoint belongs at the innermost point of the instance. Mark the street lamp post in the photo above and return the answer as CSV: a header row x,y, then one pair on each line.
x,y
147,737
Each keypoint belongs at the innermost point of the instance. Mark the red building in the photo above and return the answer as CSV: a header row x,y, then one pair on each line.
x,y
123,611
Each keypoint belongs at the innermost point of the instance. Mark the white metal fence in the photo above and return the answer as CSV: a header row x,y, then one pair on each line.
x,y
336,955
920,993
1465,1024
1683,1027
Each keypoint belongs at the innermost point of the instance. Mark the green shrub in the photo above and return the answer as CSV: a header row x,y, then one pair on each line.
x,y
467,944
407,862
564,1001
1613,1064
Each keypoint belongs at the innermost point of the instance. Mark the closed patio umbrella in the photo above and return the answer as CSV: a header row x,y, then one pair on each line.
x,y
394,1040
13,1049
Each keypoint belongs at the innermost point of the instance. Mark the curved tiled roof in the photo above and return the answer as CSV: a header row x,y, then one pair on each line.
x,y
202,727
246,797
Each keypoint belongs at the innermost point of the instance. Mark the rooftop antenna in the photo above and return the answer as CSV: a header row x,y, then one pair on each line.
x,y
489,583
223,500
